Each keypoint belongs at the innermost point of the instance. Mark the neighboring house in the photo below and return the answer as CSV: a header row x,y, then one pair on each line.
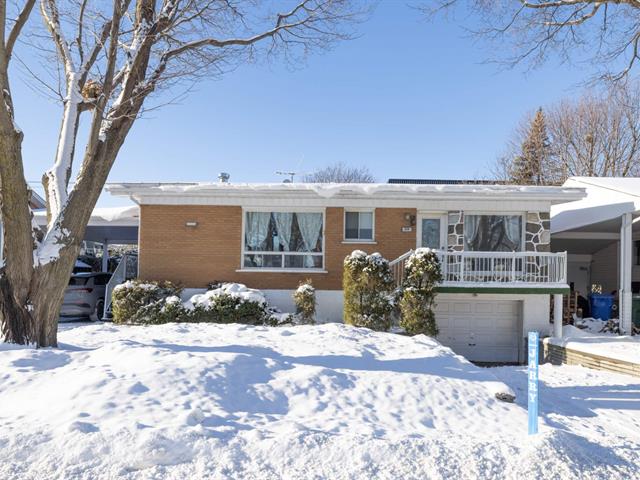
x,y
36,202
602,238
107,226
498,269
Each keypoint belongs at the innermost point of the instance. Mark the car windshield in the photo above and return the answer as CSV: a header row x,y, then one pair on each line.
x,y
76,281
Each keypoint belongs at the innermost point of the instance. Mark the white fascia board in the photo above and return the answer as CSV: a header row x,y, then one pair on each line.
x,y
446,196
484,205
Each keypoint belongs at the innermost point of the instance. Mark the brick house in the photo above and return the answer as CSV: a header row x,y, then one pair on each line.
x,y
493,241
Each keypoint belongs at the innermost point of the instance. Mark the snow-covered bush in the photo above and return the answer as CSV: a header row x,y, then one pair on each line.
x,y
367,284
305,300
417,294
166,310
229,303
136,301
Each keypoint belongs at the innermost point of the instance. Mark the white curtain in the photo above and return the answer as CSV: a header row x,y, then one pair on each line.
x,y
256,228
284,221
471,230
310,225
513,227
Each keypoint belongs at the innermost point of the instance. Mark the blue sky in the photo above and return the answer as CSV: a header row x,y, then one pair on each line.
x,y
408,98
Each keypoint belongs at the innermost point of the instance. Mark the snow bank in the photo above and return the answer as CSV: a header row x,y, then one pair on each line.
x,y
621,347
234,401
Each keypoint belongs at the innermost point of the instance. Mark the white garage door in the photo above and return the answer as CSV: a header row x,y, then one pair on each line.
x,y
481,330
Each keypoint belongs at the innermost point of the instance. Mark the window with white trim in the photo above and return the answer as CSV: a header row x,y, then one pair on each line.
x,y
358,226
283,240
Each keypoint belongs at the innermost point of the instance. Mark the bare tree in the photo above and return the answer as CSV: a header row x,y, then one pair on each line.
x,y
340,173
605,33
113,57
597,134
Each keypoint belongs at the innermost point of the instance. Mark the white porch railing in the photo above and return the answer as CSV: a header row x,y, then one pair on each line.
x,y
496,268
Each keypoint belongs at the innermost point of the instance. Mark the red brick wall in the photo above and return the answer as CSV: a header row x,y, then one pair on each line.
x,y
193,257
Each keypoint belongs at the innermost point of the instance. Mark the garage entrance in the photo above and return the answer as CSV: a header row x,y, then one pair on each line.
x,y
481,330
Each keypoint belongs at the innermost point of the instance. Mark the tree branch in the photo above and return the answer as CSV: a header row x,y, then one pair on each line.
x,y
17,27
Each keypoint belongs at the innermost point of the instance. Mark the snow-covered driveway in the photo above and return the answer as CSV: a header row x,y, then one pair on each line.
x,y
601,407
331,401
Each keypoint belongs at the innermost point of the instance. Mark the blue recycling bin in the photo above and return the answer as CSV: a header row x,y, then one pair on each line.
x,y
601,306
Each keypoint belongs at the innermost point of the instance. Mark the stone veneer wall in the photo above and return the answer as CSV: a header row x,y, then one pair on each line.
x,y
538,232
455,233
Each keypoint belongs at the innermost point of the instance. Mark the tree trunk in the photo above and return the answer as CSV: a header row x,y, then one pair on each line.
x,y
47,291
32,316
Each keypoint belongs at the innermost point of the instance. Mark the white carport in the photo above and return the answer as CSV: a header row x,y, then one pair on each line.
x,y
108,226
598,233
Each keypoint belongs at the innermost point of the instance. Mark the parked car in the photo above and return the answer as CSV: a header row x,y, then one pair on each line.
x,y
84,296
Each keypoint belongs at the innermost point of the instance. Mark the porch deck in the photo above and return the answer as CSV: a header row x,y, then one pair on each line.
x,y
496,270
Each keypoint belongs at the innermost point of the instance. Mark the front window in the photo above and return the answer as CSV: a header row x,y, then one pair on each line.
x,y
493,233
287,240
358,226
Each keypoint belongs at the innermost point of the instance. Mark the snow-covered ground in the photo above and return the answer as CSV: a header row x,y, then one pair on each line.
x,y
309,402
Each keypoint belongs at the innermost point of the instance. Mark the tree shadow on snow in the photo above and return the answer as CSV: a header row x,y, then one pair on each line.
x,y
444,365
42,360
237,389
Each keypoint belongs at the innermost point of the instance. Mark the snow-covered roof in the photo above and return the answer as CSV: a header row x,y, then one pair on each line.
x,y
113,216
607,199
188,192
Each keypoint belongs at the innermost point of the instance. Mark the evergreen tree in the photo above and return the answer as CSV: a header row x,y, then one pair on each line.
x,y
529,167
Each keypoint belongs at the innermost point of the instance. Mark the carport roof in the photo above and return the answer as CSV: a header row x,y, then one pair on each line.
x,y
117,225
607,199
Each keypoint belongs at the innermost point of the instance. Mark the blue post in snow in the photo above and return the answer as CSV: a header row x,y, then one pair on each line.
x,y
532,396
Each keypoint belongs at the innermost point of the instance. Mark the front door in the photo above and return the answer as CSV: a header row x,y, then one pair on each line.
x,y
431,231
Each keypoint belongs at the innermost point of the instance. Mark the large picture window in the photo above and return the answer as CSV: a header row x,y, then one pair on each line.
x,y
493,233
286,240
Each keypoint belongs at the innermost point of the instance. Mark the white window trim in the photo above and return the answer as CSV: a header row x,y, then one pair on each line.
x,y
444,227
368,241
523,223
283,269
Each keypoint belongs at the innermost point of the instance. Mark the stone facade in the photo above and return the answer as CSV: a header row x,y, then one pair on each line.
x,y
538,232
455,232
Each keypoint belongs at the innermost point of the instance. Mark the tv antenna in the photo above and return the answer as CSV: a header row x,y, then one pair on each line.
x,y
291,175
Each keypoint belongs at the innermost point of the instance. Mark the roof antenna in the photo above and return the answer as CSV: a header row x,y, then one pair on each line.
x,y
291,175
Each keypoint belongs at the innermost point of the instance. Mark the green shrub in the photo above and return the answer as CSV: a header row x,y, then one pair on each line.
x,y
367,284
141,302
279,319
305,300
417,294
229,303
153,303
225,308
